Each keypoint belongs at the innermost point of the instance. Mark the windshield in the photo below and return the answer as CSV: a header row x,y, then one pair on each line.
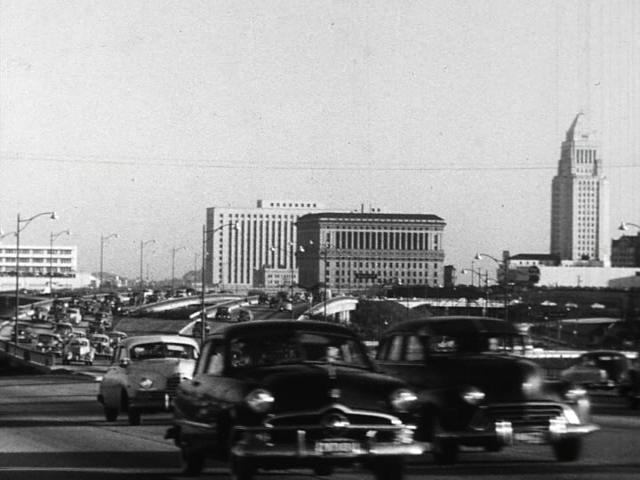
x,y
147,351
297,347
494,342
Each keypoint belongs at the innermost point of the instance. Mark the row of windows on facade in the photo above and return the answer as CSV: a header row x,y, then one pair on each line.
x,y
384,240
37,270
585,156
26,251
294,205
47,261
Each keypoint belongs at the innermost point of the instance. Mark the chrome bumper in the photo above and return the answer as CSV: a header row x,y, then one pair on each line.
x,y
255,442
151,400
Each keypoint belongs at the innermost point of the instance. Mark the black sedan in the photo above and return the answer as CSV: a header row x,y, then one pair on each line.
x,y
292,394
477,389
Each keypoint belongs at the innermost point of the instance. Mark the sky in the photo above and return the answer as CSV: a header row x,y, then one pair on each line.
x,y
132,117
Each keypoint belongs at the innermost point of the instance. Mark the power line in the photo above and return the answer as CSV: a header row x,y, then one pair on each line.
x,y
184,163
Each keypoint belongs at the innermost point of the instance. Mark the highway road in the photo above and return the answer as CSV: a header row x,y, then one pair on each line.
x,y
52,427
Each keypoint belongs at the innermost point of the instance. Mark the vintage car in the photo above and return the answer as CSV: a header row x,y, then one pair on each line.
x,y
477,389
102,344
630,383
78,349
598,369
49,343
292,394
144,374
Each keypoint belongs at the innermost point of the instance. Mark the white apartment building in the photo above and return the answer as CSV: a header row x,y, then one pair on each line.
x,y
241,241
580,200
40,266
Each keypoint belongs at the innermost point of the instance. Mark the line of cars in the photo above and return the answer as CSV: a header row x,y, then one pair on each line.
x,y
283,394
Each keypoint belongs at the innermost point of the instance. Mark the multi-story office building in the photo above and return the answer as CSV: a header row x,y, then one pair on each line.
x,y
625,251
580,200
39,261
241,241
355,251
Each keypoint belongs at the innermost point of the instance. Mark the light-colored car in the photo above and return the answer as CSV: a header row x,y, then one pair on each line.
x,y
74,315
78,349
145,373
102,344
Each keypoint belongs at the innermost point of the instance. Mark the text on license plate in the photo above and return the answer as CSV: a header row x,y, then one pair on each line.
x,y
529,437
336,446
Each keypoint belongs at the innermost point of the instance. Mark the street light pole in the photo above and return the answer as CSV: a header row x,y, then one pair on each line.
x,y
203,313
142,244
505,277
103,239
19,222
173,265
52,237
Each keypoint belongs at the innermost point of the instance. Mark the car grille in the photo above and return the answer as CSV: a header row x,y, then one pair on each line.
x,y
526,414
359,424
172,384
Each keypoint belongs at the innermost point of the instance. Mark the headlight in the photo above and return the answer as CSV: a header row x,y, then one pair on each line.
x,y
472,395
260,400
146,383
402,400
575,393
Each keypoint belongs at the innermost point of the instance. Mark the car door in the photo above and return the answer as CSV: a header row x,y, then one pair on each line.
x,y
115,378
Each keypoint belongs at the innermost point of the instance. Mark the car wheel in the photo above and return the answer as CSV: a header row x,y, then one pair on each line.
x,y
445,450
192,461
493,446
134,416
388,469
634,402
323,470
240,469
111,414
567,449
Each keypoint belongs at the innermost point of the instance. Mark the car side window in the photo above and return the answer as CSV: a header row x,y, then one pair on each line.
x,y
395,348
442,344
414,350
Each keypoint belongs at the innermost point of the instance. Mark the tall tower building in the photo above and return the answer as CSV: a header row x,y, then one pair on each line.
x,y
580,199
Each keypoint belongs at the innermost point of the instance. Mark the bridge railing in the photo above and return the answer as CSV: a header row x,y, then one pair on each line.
x,y
25,355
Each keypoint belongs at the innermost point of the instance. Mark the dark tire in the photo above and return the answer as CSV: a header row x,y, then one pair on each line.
x,y
134,416
568,449
192,461
493,446
445,450
323,470
389,469
110,414
240,469
634,402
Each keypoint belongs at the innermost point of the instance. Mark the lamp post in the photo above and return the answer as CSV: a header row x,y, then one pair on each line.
x,y
52,237
21,224
203,313
486,285
173,265
505,276
292,256
624,226
104,238
142,244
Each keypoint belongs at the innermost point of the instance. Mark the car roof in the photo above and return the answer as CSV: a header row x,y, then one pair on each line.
x,y
141,339
270,326
453,325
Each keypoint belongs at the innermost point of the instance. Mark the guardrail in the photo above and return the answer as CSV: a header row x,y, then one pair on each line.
x,y
26,356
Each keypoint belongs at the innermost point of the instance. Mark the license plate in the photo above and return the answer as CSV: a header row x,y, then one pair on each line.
x,y
529,437
328,447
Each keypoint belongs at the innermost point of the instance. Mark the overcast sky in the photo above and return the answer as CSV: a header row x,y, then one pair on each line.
x,y
135,116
